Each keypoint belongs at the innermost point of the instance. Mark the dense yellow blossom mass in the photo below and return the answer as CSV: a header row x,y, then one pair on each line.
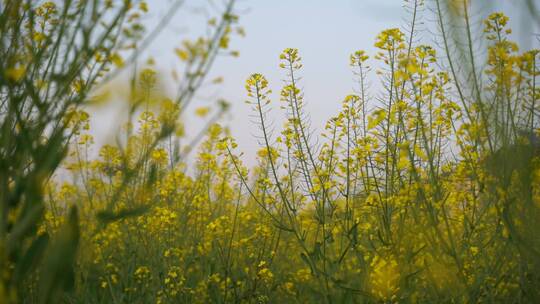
x,y
426,193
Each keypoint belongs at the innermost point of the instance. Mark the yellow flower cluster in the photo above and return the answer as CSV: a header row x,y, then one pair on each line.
x,y
409,199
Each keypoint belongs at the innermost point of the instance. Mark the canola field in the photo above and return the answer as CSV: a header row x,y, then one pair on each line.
x,y
424,188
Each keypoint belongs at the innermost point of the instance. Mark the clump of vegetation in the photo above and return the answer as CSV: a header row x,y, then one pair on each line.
x,y
58,57
428,192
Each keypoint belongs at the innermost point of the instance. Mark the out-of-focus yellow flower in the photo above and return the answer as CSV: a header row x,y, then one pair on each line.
x,y
202,111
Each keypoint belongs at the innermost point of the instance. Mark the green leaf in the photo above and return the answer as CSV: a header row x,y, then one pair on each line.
x,y
24,226
31,258
106,217
57,275
109,216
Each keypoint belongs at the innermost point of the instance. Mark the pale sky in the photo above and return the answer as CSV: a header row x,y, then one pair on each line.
x,y
325,32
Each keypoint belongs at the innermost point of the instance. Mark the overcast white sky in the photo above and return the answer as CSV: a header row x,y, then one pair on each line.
x,y
325,32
